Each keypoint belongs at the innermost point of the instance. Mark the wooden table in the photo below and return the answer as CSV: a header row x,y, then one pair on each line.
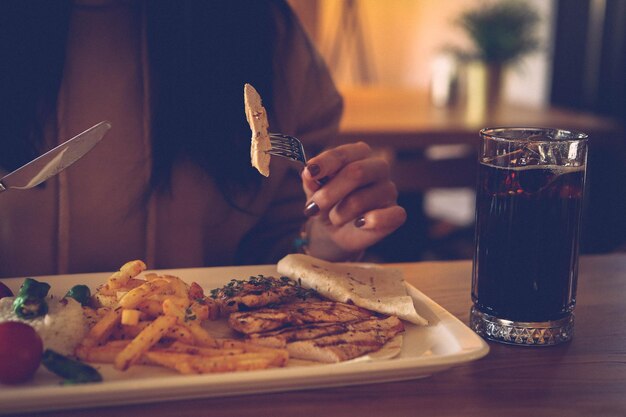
x,y
585,377
405,123
405,119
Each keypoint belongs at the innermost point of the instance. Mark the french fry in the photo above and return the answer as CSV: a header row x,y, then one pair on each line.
x,y
129,270
181,333
108,352
139,294
103,328
143,312
175,361
151,308
189,364
100,354
130,285
102,299
171,308
116,343
151,276
134,283
178,286
245,345
102,311
130,317
181,302
200,336
181,347
144,340
105,290
177,332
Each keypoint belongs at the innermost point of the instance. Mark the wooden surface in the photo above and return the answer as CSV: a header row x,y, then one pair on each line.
x,y
585,377
405,123
406,119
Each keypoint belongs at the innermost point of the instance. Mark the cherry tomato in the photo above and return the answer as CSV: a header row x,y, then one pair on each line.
x,y
5,291
20,352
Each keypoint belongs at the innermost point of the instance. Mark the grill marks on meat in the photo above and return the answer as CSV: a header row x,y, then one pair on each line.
x,y
322,331
280,338
348,345
257,292
296,314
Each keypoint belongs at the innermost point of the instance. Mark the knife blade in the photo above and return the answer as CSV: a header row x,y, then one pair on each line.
x,y
55,160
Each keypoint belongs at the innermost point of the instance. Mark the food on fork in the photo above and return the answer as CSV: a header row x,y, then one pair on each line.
x,y
257,119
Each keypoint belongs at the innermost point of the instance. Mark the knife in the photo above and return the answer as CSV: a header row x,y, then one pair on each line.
x,y
55,160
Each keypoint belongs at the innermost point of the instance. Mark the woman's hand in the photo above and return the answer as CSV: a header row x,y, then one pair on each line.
x,y
351,202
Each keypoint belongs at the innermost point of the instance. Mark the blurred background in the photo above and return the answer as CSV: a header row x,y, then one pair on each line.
x,y
421,78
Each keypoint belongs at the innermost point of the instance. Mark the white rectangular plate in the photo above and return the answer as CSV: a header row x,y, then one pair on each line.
x,y
446,342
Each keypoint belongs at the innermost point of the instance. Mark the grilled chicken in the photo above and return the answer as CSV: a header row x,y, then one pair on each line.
x,y
296,314
263,309
348,345
324,331
257,292
282,337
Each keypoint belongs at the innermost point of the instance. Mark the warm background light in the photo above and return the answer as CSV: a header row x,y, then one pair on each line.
x,y
403,38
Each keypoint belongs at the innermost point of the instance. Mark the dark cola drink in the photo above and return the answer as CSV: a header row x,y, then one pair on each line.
x,y
527,234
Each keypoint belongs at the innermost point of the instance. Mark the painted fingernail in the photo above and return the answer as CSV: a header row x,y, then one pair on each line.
x,y
311,209
314,169
360,222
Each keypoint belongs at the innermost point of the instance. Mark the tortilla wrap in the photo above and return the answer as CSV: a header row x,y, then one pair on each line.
x,y
375,288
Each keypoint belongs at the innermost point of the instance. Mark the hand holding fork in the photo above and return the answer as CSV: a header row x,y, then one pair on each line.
x,y
357,205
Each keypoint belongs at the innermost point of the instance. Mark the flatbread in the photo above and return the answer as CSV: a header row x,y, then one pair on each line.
x,y
257,119
375,288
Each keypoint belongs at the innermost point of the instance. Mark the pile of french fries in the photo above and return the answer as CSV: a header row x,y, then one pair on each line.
x,y
158,321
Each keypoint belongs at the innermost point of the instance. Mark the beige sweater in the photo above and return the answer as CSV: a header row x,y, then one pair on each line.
x,y
90,217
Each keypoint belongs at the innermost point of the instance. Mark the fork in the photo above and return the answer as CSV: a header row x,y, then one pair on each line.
x,y
287,147
290,147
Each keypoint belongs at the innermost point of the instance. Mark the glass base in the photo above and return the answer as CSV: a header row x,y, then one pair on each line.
x,y
519,333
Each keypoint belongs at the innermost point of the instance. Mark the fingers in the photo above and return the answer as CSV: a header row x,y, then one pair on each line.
x,y
363,200
350,179
375,225
383,220
327,164
372,227
351,200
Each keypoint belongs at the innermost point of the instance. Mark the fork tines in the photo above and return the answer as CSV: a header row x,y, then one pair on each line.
x,y
287,147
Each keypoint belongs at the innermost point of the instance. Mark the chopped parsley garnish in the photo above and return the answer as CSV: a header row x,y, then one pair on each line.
x,y
259,284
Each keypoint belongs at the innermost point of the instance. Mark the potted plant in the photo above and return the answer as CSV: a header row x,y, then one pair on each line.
x,y
500,33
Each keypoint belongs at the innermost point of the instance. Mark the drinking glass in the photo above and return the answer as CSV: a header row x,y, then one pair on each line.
x,y
528,213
